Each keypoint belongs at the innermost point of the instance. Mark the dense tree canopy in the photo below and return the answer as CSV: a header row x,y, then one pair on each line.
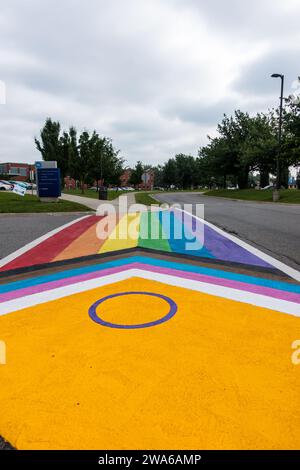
x,y
245,146
136,174
86,158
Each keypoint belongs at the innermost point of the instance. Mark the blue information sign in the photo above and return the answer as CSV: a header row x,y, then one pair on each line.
x,y
48,180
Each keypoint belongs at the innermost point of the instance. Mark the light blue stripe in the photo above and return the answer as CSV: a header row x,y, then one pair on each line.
x,y
60,275
153,262
224,274
181,237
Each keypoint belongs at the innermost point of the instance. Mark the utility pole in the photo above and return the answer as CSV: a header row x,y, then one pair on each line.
x,y
276,195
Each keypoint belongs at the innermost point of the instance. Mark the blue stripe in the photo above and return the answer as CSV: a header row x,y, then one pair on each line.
x,y
60,275
180,236
153,262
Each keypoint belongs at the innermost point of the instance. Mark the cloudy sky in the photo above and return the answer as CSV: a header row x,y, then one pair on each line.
x,y
155,75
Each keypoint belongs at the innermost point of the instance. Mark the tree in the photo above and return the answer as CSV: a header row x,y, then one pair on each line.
x,y
136,174
260,147
106,165
158,176
81,152
290,147
85,155
245,144
170,173
54,147
49,145
215,162
186,170
74,162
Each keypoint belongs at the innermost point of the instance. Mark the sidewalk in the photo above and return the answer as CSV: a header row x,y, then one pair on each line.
x,y
95,204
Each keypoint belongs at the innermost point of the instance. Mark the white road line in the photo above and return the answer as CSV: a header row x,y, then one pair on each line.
x,y
255,251
37,241
59,292
258,300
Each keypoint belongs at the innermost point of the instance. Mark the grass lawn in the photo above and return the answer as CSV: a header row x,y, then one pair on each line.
x,y
291,196
93,194
145,198
12,203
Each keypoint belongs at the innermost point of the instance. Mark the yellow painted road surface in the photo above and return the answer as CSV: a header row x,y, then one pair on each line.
x,y
125,235
218,375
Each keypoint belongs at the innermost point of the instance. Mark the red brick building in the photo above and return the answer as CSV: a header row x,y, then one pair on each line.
x,y
70,183
16,171
124,178
147,179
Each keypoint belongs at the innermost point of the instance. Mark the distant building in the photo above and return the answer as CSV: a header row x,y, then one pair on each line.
x,y
147,180
125,177
70,183
16,171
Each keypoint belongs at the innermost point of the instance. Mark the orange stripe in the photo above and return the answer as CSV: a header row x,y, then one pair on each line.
x,y
88,243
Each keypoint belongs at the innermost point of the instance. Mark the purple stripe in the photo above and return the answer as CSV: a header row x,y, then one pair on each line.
x,y
219,246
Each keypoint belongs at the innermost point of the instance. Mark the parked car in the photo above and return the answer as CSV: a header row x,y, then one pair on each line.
x,y
5,185
24,184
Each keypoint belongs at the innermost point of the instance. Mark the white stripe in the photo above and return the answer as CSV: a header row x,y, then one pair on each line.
x,y
59,292
37,241
258,300
255,251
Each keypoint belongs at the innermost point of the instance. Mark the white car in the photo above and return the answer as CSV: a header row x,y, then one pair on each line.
x,y
5,186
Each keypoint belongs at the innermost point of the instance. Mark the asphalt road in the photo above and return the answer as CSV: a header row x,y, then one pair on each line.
x,y
273,228
5,445
16,230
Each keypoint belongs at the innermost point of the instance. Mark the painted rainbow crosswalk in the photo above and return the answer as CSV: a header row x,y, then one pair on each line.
x,y
149,330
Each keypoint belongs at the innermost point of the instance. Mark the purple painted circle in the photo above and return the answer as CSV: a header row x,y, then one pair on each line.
x,y
170,314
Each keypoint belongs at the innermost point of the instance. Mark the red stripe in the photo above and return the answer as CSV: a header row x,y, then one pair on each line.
x,y
50,248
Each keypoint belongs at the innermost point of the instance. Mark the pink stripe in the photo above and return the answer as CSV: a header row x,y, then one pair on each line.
x,y
60,283
275,293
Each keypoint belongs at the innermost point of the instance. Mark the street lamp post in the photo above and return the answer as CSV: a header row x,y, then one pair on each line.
x,y
277,184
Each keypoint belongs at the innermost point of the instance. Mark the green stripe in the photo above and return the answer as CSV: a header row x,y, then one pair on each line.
x,y
151,233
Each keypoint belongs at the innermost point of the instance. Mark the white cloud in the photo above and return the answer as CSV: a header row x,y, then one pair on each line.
x,y
156,76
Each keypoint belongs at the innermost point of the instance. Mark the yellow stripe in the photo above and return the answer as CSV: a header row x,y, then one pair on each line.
x,y
125,235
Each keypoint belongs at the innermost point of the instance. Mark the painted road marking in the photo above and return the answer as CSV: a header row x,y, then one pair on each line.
x,y
200,380
217,375
38,241
252,298
269,259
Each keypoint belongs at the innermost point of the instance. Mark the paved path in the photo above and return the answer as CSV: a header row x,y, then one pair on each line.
x,y
16,230
94,204
273,228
